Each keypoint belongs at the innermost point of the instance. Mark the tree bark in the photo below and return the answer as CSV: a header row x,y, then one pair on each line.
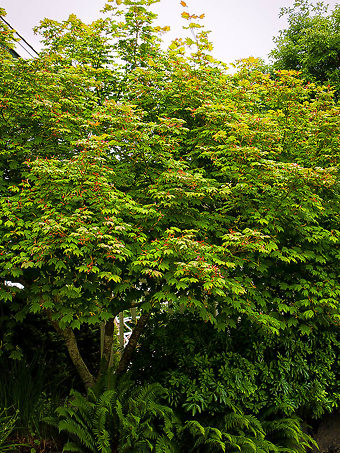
x,y
115,354
109,349
109,330
131,346
72,347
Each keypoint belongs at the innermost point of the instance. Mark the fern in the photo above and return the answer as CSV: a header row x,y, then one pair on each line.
x,y
166,445
146,423
71,446
238,433
128,418
87,421
288,433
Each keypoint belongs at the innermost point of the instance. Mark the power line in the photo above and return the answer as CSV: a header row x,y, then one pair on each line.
x,y
25,50
21,37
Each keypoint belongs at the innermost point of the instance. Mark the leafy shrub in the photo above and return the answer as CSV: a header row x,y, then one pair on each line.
x,y
205,370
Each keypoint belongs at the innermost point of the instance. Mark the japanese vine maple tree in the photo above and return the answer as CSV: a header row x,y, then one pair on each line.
x,y
138,177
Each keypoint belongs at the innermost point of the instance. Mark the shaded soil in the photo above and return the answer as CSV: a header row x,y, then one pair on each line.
x,y
328,434
42,446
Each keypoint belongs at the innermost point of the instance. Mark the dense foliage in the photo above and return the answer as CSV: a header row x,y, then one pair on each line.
x,y
310,43
207,372
136,177
137,419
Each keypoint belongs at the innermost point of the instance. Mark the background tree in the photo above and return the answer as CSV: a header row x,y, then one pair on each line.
x,y
311,43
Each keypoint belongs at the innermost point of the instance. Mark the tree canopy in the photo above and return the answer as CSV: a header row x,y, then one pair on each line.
x,y
140,177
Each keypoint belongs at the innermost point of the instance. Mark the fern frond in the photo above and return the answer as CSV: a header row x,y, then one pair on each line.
x,y
195,428
166,445
76,416
81,433
247,445
71,446
235,421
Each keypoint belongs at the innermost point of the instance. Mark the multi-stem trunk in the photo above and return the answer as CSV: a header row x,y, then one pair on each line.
x,y
109,353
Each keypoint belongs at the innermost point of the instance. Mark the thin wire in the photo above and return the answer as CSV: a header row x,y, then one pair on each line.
x,y
23,39
18,42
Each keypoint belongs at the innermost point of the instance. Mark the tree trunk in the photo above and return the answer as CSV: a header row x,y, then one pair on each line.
x,y
72,347
109,347
109,330
131,346
115,354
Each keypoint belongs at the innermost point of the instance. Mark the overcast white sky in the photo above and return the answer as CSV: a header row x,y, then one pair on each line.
x,y
240,28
